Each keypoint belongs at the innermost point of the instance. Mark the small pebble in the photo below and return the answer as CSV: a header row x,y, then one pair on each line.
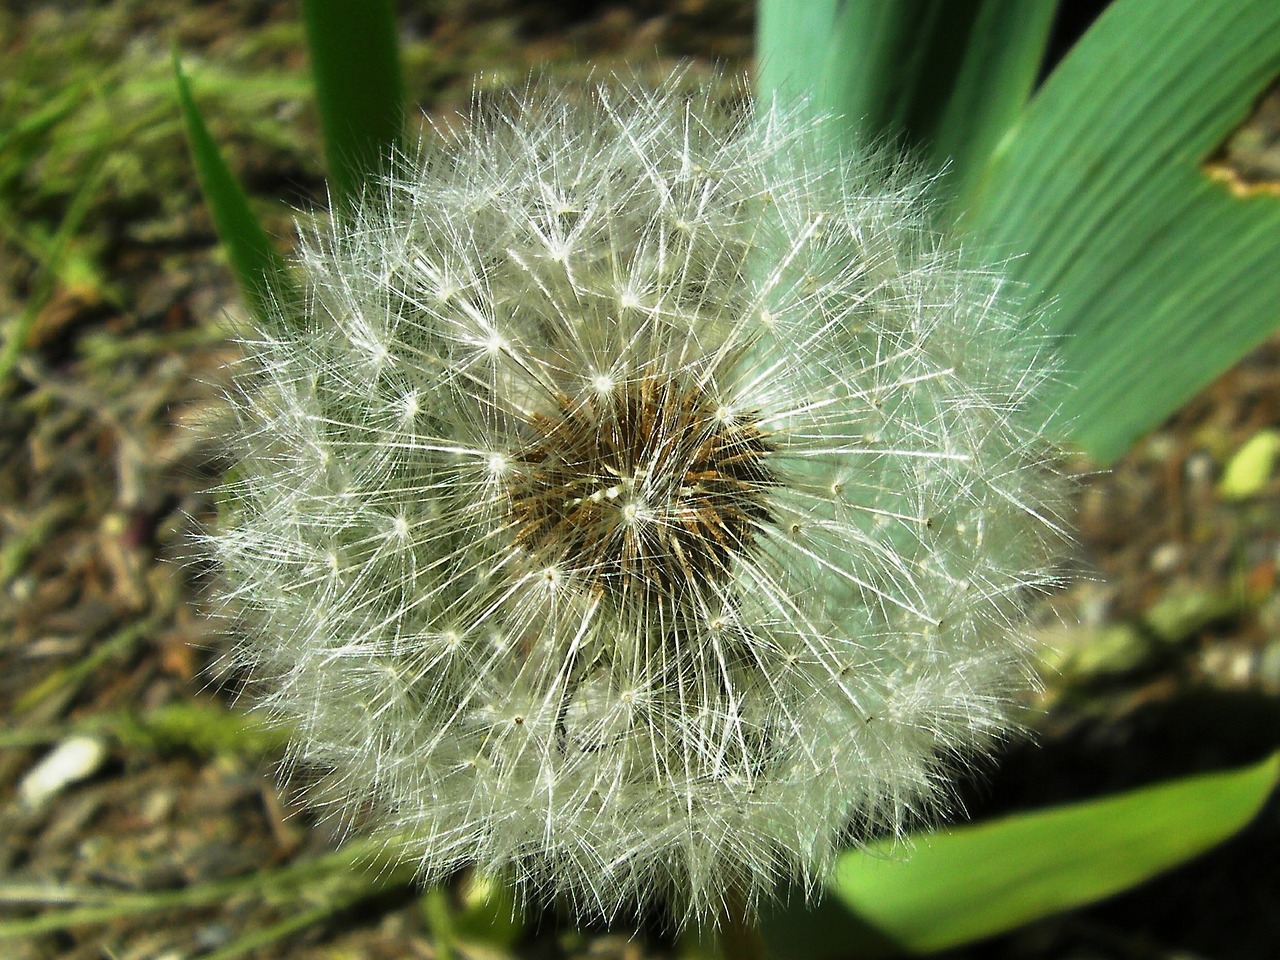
x,y
72,760
1166,557
1200,469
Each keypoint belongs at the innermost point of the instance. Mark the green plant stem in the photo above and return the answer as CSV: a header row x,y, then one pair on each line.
x,y
278,931
119,643
435,906
339,874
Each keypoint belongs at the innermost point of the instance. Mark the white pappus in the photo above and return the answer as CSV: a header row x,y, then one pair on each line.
x,y
642,502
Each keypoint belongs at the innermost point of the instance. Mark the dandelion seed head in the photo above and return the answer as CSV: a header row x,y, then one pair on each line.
x,y
641,503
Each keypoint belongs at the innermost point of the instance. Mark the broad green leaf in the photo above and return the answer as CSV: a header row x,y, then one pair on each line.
x,y
946,76
356,65
1158,275
959,885
258,267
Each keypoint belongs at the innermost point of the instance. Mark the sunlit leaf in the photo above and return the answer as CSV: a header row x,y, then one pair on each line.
x,y
1159,274
954,886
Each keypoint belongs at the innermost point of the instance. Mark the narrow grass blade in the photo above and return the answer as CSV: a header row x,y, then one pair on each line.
x,y
336,881
356,65
971,882
1159,274
947,77
15,126
258,267
47,274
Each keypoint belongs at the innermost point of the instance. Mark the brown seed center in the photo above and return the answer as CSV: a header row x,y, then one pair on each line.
x,y
647,487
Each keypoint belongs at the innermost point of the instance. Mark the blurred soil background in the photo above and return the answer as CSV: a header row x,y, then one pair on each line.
x,y
165,832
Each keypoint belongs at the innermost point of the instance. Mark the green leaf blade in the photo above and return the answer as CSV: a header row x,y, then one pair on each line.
x,y
946,77
1158,277
991,86
256,264
355,61
971,882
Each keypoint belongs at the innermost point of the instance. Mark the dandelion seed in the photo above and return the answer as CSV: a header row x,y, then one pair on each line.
x,y
715,485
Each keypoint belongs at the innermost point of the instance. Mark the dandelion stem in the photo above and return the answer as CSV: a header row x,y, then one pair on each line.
x,y
740,937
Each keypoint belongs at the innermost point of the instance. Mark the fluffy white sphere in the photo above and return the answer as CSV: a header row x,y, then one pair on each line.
x,y
641,503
